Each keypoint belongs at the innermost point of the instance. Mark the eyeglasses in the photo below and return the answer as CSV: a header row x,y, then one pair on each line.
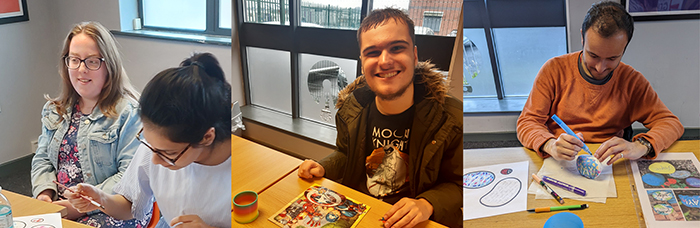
x,y
160,152
92,63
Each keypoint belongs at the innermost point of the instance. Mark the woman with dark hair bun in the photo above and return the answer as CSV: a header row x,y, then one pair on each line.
x,y
184,161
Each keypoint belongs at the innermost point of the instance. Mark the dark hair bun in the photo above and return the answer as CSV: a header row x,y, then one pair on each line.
x,y
208,62
188,100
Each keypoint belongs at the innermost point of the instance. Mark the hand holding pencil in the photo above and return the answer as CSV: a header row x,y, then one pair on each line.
x,y
82,197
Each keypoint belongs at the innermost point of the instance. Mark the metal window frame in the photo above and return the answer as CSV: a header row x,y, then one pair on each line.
x,y
511,14
212,21
433,14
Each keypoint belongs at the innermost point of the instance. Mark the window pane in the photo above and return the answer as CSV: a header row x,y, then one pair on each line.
x,y
477,65
225,14
321,79
521,53
274,12
331,13
175,14
429,17
432,20
269,74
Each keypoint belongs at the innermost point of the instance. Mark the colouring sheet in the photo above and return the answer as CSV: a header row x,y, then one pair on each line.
x,y
669,189
494,189
52,220
319,206
597,190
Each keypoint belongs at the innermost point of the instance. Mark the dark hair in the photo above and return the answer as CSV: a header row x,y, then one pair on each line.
x,y
607,18
188,100
380,16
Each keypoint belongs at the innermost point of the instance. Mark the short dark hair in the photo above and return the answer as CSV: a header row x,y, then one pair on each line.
x,y
186,101
380,16
607,18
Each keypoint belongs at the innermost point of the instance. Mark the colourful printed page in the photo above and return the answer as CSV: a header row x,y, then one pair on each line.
x,y
669,189
319,206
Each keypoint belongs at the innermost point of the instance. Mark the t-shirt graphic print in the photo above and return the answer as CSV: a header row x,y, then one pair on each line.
x,y
387,165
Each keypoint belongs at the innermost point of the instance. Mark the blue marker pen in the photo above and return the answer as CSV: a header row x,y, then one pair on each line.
x,y
569,131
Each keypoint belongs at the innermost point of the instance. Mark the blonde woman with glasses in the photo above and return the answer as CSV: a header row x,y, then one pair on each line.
x,y
88,131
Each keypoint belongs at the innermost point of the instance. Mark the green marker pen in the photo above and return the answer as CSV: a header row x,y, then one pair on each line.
x,y
559,208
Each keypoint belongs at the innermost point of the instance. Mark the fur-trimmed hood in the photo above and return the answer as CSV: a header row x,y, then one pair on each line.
x,y
425,75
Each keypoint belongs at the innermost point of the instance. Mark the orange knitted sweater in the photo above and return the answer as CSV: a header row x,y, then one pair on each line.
x,y
598,111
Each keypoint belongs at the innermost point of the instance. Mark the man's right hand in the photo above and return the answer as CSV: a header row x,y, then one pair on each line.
x,y
565,147
310,169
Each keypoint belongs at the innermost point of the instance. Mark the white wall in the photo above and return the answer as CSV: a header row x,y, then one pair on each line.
x,y
28,60
28,63
666,52
145,57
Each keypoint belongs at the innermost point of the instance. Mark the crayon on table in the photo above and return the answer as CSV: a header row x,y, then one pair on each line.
x,y
563,185
551,192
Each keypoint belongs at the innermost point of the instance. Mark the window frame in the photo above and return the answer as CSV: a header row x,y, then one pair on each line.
x,y
212,21
297,39
514,16
435,15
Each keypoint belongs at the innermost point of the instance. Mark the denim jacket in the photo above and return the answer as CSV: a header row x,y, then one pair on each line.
x,y
105,146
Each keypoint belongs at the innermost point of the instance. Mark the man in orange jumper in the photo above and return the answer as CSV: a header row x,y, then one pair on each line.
x,y
597,96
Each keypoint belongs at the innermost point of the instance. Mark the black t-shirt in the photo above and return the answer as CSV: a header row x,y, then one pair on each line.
x,y
386,162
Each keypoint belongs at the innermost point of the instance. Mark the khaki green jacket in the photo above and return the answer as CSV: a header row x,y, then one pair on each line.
x,y
435,151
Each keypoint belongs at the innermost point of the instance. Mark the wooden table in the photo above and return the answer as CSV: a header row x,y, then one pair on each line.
x,y
26,206
616,212
287,189
255,167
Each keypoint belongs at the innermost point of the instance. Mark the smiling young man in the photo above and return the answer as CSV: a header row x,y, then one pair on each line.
x,y
597,96
399,132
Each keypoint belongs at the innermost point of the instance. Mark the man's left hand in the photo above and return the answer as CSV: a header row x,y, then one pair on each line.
x,y
408,213
620,148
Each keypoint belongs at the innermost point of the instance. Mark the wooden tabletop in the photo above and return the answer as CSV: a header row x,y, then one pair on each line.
x,y
255,167
616,212
287,189
23,205
26,206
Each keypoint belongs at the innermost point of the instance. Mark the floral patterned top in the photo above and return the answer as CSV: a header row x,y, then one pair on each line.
x,y
69,171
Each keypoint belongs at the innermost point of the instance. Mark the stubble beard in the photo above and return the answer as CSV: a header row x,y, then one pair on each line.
x,y
392,96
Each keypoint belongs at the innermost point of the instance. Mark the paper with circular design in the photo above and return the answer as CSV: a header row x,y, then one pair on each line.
x,y
693,182
662,195
478,179
663,209
662,168
680,174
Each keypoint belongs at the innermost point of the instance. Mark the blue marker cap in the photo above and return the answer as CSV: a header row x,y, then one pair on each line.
x,y
569,131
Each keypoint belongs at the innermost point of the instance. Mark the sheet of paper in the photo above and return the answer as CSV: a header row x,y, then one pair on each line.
x,y
597,190
52,220
319,206
668,188
494,190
